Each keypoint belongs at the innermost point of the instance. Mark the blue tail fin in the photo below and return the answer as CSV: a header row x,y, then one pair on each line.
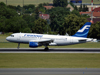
x,y
83,31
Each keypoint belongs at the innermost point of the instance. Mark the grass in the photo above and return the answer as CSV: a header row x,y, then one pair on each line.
x,y
3,37
13,45
51,60
20,2
36,2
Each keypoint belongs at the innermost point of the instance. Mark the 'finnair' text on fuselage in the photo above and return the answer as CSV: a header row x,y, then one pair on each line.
x,y
30,35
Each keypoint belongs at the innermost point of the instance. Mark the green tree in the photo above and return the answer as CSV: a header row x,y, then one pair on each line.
x,y
73,23
27,30
84,8
76,13
2,23
75,7
95,31
80,8
60,3
57,16
37,13
12,7
18,8
29,20
2,5
29,8
29,11
15,24
10,21
40,26
6,14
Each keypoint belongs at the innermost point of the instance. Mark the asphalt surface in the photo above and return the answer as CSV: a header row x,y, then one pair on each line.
x,y
51,50
50,71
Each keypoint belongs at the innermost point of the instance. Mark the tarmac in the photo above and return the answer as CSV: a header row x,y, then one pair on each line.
x,y
51,50
50,71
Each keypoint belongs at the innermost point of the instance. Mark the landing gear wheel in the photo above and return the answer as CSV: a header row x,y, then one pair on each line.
x,y
46,48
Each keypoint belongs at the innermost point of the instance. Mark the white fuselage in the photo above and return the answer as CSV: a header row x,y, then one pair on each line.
x,y
57,39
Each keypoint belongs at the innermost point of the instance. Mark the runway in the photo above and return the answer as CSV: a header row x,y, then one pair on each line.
x,y
50,71
51,50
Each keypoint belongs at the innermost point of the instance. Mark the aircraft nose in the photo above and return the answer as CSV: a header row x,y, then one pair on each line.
x,y
7,38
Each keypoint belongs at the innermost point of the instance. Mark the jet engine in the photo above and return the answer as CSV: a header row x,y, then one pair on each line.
x,y
33,44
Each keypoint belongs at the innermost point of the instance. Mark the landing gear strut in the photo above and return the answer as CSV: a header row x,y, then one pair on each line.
x,y
46,48
18,45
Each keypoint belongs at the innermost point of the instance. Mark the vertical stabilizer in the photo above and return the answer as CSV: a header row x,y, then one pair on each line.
x,y
83,31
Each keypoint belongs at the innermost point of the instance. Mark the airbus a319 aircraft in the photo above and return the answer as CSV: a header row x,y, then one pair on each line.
x,y
36,40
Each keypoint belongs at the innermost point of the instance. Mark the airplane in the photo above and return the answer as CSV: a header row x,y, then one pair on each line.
x,y
36,40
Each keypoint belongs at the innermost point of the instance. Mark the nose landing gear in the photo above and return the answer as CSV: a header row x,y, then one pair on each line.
x,y
18,46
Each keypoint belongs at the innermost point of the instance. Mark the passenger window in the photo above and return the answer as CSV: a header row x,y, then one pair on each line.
x,y
12,35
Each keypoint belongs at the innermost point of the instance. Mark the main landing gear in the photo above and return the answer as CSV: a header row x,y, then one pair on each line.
x,y
18,45
46,48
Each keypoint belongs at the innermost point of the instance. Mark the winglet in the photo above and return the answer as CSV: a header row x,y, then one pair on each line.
x,y
83,31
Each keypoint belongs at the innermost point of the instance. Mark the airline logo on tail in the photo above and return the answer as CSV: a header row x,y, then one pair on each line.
x,y
85,27
83,32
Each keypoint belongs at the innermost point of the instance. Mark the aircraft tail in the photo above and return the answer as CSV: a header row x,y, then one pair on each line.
x,y
83,31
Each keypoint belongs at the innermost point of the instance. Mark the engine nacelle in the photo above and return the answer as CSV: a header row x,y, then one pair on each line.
x,y
33,44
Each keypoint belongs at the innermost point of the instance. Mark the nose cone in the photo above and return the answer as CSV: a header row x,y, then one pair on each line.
x,y
7,38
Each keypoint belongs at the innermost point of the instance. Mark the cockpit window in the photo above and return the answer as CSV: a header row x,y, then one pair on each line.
x,y
12,35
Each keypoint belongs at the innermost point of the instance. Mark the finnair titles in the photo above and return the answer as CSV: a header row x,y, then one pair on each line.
x,y
34,36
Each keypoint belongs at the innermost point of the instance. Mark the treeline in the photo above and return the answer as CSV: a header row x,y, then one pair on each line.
x,y
26,19
14,19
